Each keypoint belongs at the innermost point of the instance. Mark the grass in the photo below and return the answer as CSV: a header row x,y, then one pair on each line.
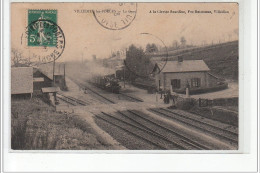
x,y
223,116
222,60
36,126
225,113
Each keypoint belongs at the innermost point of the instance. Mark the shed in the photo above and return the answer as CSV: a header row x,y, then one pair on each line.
x,y
21,80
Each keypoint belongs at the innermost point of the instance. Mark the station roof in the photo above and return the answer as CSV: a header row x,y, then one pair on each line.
x,y
50,89
47,70
184,66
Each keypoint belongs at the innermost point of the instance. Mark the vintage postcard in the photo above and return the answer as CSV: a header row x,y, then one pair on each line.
x,y
124,76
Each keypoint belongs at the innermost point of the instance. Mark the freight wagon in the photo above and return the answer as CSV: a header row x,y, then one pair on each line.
x,y
108,83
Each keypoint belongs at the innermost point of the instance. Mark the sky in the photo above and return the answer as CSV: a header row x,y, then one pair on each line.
x,y
86,37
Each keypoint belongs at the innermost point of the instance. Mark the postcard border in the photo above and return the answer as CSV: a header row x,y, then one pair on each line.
x,y
4,79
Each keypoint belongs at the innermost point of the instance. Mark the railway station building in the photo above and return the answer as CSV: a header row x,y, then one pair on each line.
x,y
176,76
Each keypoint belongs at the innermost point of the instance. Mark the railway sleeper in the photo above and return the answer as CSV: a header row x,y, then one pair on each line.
x,y
154,136
230,140
185,139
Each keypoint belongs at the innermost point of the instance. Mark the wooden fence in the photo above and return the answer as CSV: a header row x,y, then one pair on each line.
x,y
218,102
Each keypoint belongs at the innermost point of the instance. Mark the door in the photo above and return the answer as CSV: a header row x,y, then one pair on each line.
x,y
176,83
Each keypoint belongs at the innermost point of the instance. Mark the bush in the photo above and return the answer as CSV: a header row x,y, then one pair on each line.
x,y
226,101
219,87
185,103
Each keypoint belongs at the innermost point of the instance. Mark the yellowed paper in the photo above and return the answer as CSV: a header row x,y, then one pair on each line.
x,y
119,76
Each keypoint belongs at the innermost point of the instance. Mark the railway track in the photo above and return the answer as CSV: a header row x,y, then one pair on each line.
x,y
93,92
67,101
160,129
136,133
100,95
106,99
151,131
71,100
222,134
131,98
218,125
120,95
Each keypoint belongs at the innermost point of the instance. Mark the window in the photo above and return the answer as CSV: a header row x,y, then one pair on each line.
x,y
195,82
176,83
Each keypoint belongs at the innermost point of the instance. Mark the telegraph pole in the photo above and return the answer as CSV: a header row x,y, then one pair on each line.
x,y
53,71
54,94
124,76
125,65
64,76
64,70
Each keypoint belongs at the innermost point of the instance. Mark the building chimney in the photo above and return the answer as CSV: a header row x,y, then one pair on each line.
x,y
180,59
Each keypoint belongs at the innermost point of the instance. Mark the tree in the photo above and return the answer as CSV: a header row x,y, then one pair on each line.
x,y
175,44
17,58
137,62
148,46
151,48
183,41
154,48
118,54
113,54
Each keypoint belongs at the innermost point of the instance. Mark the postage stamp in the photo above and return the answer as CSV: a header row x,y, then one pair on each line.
x,y
42,33
43,39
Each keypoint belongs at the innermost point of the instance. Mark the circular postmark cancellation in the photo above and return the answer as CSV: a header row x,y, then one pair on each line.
x,y
144,63
115,16
43,40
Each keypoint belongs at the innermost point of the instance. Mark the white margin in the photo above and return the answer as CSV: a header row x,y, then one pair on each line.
x,y
78,162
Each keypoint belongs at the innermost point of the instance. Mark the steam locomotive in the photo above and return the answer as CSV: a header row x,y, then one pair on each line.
x,y
107,82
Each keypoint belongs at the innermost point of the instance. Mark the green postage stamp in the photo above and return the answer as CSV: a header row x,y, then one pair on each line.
x,y
42,28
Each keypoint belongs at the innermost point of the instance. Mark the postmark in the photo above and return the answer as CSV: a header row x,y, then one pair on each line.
x,y
43,39
115,16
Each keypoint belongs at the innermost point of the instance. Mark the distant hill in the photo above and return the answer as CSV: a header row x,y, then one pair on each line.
x,y
222,59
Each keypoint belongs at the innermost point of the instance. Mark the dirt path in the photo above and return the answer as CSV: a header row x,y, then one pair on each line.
x,y
111,142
